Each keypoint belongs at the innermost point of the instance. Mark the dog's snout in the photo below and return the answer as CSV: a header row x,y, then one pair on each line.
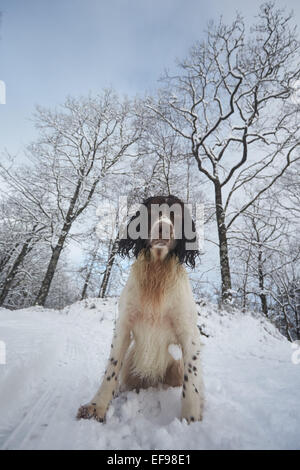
x,y
162,232
165,230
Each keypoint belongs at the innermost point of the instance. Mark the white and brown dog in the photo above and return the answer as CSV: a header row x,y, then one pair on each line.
x,y
156,309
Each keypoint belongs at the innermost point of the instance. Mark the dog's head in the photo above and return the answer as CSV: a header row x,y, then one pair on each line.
x,y
162,227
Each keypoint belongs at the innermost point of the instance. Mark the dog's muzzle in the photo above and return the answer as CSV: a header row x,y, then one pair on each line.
x,y
162,237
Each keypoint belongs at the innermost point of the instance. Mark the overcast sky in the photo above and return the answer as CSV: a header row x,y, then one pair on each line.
x,y
53,48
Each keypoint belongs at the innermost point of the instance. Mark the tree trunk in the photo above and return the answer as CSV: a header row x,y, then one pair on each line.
x,y
108,269
45,287
86,283
14,269
5,257
287,324
223,245
88,276
245,280
262,295
297,327
296,310
70,217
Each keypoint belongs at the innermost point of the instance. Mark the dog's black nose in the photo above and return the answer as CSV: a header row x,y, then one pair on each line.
x,y
162,229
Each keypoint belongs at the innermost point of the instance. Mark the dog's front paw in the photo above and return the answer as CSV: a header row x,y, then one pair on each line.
x,y
92,410
192,412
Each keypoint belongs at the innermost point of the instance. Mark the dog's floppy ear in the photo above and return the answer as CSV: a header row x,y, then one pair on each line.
x,y
128,245
186,247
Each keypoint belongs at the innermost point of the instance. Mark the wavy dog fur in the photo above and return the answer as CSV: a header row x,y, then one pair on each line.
x,y
155,279
156,309
129,246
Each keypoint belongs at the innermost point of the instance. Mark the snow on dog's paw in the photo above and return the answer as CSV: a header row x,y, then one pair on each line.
x,y
192,413
91,410
191,419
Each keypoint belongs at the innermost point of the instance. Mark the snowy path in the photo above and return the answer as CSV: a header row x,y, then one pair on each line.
x,y
55,361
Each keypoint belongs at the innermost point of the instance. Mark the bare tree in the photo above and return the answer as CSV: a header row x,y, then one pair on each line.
x,y
288,193
24,244
113,248
77,147
266,252
262,234
230,101
22,227
88,269
285,293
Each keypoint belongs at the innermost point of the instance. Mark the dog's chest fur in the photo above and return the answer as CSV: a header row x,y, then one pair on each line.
x,y
153,316
150,349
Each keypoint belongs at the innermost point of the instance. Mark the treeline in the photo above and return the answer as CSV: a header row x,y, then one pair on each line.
x,y
222,130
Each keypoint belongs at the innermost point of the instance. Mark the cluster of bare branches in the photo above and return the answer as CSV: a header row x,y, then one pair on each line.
x,y
78,146
266,252
231,103
223,130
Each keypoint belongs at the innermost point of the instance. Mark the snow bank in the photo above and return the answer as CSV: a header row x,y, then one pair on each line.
x,y
55,360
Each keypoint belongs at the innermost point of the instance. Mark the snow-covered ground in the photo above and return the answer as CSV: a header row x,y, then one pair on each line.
x,y
54,361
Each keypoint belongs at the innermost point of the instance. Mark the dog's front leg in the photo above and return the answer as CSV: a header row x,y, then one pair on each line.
x,y
98,406
192,389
